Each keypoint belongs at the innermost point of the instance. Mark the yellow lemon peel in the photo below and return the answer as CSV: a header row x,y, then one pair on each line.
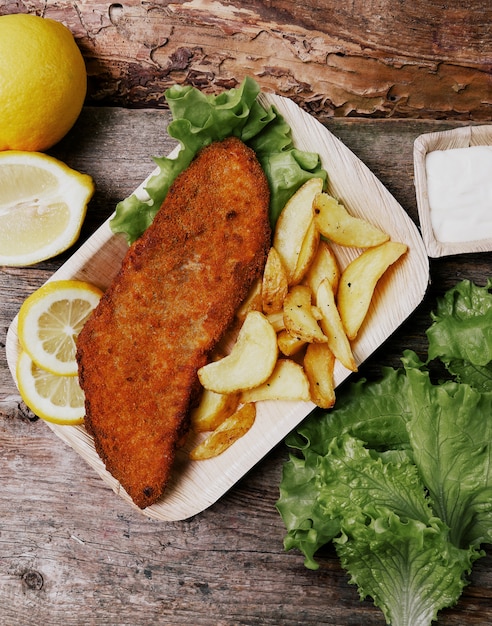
x,y
44,82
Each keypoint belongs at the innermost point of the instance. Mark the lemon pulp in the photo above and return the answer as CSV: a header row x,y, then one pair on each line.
x,y
61,324
57,399
31,214
43,203
50,321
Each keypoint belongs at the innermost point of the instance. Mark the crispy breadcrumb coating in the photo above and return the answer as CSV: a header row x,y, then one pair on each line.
x,y
177,292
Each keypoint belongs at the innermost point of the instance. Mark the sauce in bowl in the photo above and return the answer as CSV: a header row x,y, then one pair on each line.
x,y
459,187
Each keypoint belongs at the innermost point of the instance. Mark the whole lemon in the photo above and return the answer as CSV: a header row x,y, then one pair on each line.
x,y
43,82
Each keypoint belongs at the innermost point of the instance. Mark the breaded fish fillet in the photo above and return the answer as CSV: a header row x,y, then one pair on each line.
x,y
177,292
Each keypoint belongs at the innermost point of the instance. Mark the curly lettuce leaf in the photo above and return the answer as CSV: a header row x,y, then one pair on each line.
x,y
407,512
383,526
308,527
392,545
408,568
198,120
353,479
318,491
451,437
376,413
477,376
461,332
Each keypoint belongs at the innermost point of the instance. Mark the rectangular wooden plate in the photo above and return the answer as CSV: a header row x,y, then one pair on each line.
x,y
196,485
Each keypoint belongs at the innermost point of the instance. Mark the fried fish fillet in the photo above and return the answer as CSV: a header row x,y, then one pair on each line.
x,y
175,295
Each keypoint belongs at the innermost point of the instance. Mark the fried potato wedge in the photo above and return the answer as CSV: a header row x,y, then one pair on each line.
x,y
307,253
319,363
212,410
289,344
293,223
358,281
277,321
298,315
332,326
253,301
250,362
287,382
337,225
275,283
231,429
324,265
316,313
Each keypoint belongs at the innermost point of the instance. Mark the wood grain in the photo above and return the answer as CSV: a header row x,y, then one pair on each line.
x,y
377,58
72,553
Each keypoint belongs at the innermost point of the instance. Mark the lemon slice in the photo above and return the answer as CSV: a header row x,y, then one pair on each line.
x,y
50,320
57,399
43,203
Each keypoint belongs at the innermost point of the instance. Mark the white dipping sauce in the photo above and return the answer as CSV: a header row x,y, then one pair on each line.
x,y
459,187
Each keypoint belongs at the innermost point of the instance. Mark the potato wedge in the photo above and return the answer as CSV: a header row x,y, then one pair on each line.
x,y
332,326
231,429
337,225
213,409
287,382
253,301
359,280
277,321
275,284
294,222
316,313
324,265
319,363
289,344
298,315
307,253
250,362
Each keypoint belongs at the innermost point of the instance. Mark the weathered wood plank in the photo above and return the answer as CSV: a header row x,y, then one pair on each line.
x,y
377,58
72,553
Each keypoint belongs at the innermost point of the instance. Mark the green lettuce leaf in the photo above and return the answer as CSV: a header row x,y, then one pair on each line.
x,y
399,477
462,326
451,437
393,546
200,119
376,413
477,376
410,569
382,523
308,527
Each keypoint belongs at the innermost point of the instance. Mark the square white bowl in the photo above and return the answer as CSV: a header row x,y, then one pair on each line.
x,y
463,137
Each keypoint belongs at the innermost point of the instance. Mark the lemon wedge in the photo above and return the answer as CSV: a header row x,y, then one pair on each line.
x,y
43,203
50,320
56,399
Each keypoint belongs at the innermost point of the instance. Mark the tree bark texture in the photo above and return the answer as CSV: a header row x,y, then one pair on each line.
x,y
372,58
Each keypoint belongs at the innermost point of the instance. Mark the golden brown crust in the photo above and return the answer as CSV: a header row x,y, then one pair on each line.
x,y
178,289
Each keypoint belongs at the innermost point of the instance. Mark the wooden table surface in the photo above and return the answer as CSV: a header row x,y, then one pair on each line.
x,y
377,74
72,552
